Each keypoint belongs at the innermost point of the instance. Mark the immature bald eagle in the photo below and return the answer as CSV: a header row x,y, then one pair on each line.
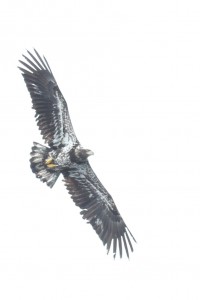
x,y
66,156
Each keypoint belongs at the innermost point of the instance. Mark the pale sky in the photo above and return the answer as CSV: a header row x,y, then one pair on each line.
x,y
130,73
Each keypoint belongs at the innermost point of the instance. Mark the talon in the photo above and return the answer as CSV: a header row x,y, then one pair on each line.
x,y
48,160
51,166
49,163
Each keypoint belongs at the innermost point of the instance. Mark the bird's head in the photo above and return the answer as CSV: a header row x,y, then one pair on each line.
x,y
82,154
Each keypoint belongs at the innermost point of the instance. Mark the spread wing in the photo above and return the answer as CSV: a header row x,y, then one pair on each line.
x,y
98,208
52,114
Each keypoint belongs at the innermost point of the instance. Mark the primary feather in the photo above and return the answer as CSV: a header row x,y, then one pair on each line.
x,y
65,155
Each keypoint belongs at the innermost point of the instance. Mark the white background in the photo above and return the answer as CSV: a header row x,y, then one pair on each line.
x,y
130,72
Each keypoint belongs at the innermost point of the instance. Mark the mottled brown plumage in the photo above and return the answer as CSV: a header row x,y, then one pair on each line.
x,y
65,155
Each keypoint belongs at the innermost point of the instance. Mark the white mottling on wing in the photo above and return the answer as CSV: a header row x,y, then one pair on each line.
x,y
99,223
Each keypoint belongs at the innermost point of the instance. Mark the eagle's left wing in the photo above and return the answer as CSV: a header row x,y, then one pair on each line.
x,y
98,208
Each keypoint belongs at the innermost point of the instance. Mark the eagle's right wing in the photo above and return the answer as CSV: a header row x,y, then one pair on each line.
x,y
52,114
98,208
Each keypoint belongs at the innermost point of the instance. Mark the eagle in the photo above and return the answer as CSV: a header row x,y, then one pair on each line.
x,y
65,155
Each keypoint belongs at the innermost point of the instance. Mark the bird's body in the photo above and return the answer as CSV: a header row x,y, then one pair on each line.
x,y
66,156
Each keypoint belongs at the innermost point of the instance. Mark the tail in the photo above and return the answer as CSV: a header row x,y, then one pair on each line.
x,y
38,155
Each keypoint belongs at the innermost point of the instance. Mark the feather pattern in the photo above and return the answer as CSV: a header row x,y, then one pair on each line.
x,y
66,154
98,208
52,114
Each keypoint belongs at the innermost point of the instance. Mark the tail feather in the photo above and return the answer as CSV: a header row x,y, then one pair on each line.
x,y
38,155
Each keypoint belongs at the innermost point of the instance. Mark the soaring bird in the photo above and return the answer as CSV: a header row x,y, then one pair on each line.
x,y
65,155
